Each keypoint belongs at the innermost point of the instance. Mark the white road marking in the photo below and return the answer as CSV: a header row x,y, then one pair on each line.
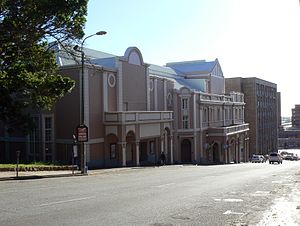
x,y
229,200
233,200
276,182
65,201
261,193
231,212
163,185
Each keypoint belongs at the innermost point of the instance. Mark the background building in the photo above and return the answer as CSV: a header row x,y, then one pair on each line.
x,y
289,136
296,116
261,112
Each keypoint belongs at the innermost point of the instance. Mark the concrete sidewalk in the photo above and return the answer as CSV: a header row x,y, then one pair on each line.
x,y
23,175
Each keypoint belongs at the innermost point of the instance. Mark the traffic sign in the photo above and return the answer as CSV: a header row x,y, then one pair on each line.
x,y
82,133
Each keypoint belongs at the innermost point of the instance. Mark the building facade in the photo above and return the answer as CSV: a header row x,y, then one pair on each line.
x,y
135,111
296,116
289,136
261,112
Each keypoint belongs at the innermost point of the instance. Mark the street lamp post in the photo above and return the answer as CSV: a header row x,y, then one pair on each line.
x,y
82,126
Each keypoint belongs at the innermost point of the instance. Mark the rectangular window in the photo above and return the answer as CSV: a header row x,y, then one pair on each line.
x,y
113,151
205,115
34,137
48,123
48,129
48,136
184,103
185,122
152,147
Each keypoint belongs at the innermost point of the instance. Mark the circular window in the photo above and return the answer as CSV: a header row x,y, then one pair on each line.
x,y
111,80
151,85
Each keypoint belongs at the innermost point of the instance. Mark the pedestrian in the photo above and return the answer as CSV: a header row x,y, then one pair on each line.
x,y
163,158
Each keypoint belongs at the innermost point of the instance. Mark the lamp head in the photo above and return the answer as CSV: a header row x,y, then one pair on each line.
x,y
76,48
101,33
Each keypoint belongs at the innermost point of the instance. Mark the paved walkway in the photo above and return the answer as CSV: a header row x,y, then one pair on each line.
x,y
22,175
12,175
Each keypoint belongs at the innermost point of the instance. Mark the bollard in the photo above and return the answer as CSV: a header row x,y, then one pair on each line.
x,y
18,158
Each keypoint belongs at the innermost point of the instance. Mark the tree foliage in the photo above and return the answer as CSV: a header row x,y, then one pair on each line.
x,y
29,78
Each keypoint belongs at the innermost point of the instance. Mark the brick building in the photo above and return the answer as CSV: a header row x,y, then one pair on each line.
x,y
261,112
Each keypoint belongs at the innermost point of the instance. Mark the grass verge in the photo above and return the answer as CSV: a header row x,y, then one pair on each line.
x,y
38,166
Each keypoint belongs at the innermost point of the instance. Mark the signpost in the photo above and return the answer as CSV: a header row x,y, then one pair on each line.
x,y
82,133
82,136
18,160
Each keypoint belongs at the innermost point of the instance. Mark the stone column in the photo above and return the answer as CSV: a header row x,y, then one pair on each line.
x,y
228,154
236,151
171,150
105,92
137,143
165,94
195,148
239,150
123,146
162,143
155,94
120,86
166,145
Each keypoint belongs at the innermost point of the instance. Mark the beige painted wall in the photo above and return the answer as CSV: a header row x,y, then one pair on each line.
x,y
160,95
217,85
67,109
112,97
151,94
96,128
134,87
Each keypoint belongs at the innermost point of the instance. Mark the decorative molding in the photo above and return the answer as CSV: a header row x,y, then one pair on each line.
x,y
155,95
111,80
120,86
105,92
151,85
134,56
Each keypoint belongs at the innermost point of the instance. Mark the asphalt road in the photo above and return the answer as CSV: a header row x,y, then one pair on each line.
x,y
239,194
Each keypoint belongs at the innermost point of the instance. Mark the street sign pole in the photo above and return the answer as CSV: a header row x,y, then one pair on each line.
x,y
82,136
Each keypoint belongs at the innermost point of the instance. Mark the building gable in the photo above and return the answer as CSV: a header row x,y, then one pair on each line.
x,y
217,70
133,56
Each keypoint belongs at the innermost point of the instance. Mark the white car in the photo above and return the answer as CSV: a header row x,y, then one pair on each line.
x,y
275,157
257,158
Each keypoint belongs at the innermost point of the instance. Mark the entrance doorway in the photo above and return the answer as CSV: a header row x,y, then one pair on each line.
x,y
186,151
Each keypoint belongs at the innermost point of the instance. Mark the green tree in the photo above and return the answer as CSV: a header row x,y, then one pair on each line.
x,y
29,76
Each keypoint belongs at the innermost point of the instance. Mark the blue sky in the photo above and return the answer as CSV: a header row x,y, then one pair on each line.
x,y
251,38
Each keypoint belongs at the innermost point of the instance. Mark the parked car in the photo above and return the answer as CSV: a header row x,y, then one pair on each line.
x,y
257,158
275,157
289,157
266,157
263,158
295,158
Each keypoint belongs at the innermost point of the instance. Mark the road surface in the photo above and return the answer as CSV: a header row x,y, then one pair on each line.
x,y
237,194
